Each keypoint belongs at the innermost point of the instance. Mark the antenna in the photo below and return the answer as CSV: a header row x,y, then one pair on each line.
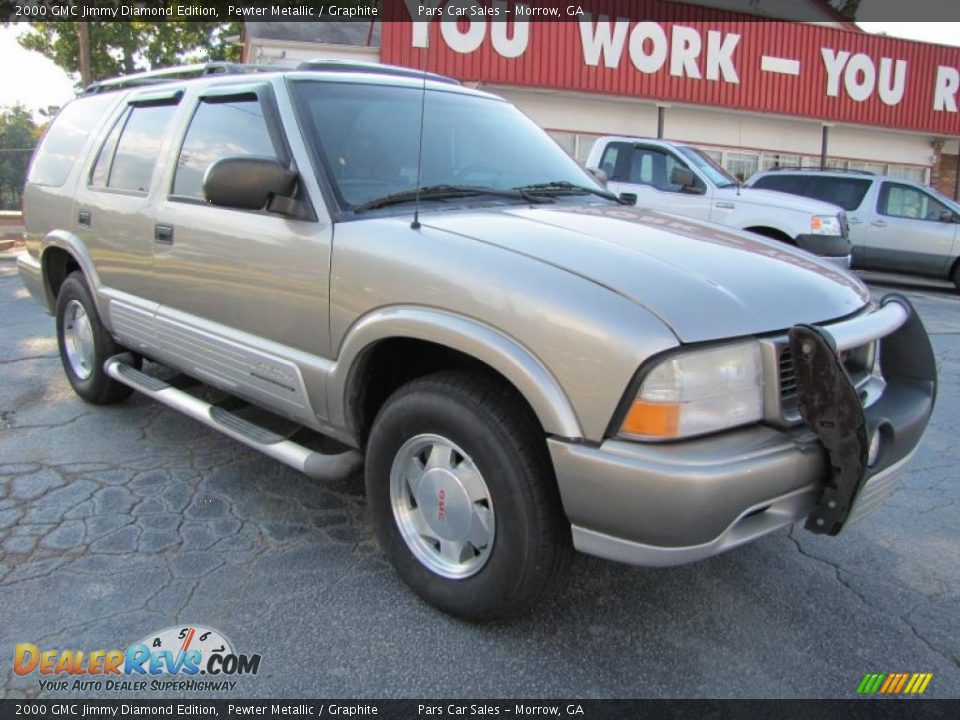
x,y
415,225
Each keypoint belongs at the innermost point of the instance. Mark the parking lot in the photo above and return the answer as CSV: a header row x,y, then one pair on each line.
x,y
118,522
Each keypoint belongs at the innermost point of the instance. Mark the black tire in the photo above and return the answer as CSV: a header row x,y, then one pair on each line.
x,y
531,548
956,277
99,388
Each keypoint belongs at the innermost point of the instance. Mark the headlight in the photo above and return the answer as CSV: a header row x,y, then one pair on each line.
x,y
825,225
697,392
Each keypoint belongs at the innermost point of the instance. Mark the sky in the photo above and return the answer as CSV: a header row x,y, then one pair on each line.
x,y
35,82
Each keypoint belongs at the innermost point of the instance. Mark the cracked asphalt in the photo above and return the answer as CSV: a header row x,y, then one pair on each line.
x,y
118,522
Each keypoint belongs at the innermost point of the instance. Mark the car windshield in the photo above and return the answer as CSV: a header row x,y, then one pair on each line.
x,y
368,135
718,176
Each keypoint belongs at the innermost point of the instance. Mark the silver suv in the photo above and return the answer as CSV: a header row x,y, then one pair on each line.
x,y
895,225
376,265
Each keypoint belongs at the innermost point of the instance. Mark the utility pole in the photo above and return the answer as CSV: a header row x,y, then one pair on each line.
x,y
83,42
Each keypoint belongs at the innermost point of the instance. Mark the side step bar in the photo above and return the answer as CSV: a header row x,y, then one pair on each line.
x,y
315,465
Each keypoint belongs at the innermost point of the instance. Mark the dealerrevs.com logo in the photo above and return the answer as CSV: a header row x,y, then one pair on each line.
x,y
172,659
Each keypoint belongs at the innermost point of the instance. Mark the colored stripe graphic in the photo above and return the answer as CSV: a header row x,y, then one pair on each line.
x,y
894,683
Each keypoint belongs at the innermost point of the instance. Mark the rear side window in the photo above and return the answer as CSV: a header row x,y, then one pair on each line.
x,y
792,184
846,192
138,147
220,129
64,140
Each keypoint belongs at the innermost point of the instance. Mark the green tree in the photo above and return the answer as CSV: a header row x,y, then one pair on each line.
x,y
17,139
118,48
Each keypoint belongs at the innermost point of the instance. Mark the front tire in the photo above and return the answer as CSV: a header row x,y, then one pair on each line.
x,y
85,345
463,497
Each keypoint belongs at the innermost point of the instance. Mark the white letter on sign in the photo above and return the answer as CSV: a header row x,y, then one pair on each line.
x,y
469,40
945,95
720,49
892,92
509,47
658,47
421,37
859,89
599,42
685,51
834,63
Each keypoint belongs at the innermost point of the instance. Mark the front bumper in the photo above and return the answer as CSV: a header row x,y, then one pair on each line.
x,y
672,503
834,248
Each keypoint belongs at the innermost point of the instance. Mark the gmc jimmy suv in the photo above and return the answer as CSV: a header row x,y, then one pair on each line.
x,y
413,273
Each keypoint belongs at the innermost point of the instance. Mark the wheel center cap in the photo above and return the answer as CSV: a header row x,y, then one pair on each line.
x,y
444,504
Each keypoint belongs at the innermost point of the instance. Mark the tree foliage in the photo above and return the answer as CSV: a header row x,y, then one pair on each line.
x,y
18,135
119,48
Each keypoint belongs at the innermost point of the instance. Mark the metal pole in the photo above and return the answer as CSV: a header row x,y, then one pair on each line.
x,y
823,147
661,115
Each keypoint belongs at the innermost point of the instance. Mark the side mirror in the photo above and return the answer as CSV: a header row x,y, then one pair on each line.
x,y
247,182
686,180
599,175
948,217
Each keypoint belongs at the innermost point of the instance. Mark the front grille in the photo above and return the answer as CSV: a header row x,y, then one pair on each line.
x,y
788,384
858,363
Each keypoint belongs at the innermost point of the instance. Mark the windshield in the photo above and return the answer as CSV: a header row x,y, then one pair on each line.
x,y
367,135
718,176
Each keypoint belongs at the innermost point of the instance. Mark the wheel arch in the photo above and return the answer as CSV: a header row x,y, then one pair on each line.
x,y
60,254
462,341
772,233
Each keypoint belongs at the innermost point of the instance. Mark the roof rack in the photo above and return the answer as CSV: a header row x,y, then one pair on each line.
x,y
183,72
781,168
193,72
338,65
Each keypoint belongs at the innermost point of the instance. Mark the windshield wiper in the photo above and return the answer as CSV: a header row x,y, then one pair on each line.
x,y
562,187
440,192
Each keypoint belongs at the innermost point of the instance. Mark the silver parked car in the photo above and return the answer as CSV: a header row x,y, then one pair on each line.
x,y
895,225
414,270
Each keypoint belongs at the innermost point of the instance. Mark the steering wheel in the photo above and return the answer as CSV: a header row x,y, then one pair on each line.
x,y
476,168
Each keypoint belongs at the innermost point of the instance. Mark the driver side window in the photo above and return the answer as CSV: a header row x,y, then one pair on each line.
x,y
654,167
905,201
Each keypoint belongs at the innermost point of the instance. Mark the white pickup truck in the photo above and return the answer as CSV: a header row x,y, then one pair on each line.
x,y
681,179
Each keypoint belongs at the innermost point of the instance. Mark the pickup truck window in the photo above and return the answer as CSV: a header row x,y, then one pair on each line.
x,y
367,136
218,130
652,166
705,164
139,147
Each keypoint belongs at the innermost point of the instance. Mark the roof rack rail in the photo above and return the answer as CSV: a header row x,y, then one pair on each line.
x,y
781,168
338,65
183,72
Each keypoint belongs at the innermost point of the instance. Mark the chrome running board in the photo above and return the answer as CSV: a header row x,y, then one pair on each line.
x,y
314,464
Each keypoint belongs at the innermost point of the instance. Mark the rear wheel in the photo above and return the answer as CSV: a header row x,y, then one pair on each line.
x,y
463,497
85,344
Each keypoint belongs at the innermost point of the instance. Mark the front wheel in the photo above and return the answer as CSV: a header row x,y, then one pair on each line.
x,y
85,344
463,497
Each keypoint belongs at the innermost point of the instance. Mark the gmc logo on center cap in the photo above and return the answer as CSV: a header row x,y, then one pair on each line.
x,y
441,506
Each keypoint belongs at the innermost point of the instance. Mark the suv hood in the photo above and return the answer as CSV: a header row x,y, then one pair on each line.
x,y
705,282
779,200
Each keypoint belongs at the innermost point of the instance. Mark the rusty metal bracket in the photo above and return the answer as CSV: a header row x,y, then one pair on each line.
x,y
830,406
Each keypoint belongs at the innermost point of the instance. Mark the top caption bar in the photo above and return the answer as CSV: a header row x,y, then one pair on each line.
x,y
537,11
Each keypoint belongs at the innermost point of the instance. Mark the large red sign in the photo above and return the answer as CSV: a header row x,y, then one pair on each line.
x,y
682,53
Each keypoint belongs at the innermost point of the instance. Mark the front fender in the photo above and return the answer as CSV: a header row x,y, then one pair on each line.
x,y
504,354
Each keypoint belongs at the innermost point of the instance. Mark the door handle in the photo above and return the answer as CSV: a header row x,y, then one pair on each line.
x,y
163,234
84,219
879,223
854,221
